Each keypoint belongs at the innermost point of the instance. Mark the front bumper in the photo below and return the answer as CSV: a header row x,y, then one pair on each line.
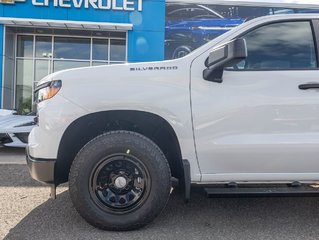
x,y
41,170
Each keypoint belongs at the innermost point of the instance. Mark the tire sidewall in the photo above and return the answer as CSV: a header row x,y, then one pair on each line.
x,y
120,142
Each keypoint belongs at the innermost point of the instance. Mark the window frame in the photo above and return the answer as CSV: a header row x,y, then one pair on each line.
x,y
56,42
314,24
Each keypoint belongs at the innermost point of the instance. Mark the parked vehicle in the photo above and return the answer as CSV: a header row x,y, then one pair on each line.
x,y
189,26
240,110
14,129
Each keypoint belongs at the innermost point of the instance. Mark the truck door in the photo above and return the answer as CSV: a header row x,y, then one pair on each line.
x,y
262,122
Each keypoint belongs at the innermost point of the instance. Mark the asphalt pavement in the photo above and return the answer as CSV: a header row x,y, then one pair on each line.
x,y
12,155
26,212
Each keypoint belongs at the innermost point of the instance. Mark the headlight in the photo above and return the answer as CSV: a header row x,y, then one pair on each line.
x,y
47,90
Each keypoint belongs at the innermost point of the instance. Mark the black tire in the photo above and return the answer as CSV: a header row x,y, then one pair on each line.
x,y
181,51
94,162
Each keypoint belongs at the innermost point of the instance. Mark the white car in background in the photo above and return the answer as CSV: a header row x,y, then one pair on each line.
x,y
15,129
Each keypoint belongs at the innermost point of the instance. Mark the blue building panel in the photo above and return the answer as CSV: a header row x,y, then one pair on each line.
x,y
148,30
83,14
151,19
27,10
144,45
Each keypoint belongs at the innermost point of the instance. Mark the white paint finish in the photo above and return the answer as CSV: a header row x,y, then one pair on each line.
x,y
246,126
257,122
259,178
14,123
161,92
55,116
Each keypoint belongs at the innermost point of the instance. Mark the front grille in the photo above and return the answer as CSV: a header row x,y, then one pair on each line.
x,y
36,120
23,137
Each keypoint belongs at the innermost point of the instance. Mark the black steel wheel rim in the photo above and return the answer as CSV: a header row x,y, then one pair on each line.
x,y
120,183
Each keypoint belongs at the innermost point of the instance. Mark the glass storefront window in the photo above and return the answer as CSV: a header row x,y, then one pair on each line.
x,y
41,69
24,85
59,65
43,46
100,49
72,48
99,63
55,53
118,50
25,46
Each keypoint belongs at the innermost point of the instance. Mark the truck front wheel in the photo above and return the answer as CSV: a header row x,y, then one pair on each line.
x,y
120,180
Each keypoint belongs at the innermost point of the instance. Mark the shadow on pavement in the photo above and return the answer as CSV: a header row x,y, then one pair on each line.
x,y
202,218
12,155
11,150
16,175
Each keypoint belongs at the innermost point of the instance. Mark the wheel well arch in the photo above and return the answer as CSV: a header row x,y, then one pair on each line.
x,y
87,127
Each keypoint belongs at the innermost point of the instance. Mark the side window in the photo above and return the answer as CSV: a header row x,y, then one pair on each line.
x,y
285,45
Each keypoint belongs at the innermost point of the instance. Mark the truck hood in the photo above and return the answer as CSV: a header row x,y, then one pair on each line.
x,y
118,71
104,84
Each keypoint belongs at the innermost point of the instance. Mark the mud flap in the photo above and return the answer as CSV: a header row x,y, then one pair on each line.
x,y
187,180
53,191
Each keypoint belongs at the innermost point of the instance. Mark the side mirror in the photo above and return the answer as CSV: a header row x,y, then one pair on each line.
x,y
226,55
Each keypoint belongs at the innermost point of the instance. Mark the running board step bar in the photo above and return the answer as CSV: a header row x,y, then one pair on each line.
x,y
263,191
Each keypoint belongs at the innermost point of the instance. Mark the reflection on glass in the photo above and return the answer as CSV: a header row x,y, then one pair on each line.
x,y
35,84
118,50
72,48
62,65
269,48
100,49
25,46
24,86
99,63
41,69
43,47
69,52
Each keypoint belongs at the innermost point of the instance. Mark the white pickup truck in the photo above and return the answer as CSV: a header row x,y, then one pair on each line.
x,y
239,111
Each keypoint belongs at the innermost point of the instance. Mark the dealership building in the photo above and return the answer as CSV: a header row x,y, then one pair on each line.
x,y
38,37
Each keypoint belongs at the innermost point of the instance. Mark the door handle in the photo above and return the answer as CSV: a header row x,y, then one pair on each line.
x,y
309,86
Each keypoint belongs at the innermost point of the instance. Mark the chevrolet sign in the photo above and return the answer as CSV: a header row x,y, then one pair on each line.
x,y
121,5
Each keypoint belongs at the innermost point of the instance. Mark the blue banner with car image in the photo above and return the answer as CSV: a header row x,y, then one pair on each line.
x,y
189,26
